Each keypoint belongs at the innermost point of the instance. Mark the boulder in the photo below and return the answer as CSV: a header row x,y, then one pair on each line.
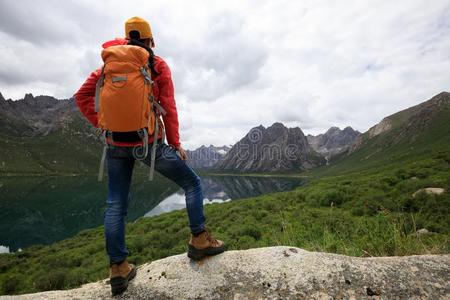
x,y
278,273
429,190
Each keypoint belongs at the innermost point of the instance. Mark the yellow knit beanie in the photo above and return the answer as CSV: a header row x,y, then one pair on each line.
x,y
140,25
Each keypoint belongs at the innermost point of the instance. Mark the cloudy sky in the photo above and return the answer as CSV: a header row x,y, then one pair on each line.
x,y
238,64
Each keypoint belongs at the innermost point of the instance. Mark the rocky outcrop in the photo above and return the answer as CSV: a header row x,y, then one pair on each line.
x,y
276,148
278,273
334,141
204,157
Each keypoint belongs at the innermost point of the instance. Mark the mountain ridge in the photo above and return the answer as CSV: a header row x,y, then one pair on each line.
x,y
33,128
206,157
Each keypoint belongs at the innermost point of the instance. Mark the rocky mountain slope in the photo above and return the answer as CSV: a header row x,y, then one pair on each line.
x,y
46,135
276,148
35,116
334,141
409,125
204,158
417,132
278,273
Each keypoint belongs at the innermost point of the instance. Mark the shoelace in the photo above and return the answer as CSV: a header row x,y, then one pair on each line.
x,y
211,239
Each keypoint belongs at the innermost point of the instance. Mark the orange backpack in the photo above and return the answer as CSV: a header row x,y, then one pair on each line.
x,y
124,99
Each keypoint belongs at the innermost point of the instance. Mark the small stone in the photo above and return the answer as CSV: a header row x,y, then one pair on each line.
x,y
422,232
371,292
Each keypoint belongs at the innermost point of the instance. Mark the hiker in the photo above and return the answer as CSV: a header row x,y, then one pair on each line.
x,y
113,91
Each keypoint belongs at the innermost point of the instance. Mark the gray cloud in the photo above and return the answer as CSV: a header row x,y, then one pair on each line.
x,y
225,61
52,22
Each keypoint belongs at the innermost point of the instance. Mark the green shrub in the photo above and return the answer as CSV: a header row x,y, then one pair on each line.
x,y
357,211
53,279
11,284
252,231
390,180
333,197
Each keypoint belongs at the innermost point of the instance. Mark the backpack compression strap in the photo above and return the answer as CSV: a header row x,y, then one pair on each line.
x,y
98,86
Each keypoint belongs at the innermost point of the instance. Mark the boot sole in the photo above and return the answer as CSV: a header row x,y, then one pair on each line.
x,y
198,254
120,284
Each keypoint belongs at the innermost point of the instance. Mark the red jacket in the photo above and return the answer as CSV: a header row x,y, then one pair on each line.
x,y
162,90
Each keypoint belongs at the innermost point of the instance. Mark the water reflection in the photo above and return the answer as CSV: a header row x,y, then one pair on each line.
x,y
226,188
43,210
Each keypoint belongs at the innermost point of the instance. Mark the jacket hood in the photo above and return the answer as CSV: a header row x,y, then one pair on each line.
x,y
115,42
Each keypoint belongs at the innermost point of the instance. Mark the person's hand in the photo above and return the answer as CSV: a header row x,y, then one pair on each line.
x,y
182,152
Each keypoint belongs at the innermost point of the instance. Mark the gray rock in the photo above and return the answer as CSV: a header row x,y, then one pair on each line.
x,y
279,273
429,190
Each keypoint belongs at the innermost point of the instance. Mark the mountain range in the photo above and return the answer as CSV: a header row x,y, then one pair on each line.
x,y
46,135
204,158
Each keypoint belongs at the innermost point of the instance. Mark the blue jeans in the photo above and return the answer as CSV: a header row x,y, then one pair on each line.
x,y
120,163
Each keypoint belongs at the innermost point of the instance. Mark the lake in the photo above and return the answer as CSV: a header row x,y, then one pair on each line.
x,y
43,210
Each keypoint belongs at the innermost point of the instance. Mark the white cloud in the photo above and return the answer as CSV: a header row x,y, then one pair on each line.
x,y
238,64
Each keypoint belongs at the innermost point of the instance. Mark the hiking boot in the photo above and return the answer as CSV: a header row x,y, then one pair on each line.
x,y
120,274
204,245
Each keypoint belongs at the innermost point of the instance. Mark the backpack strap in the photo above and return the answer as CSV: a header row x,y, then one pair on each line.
x,y
146,75
153,154
158,109
106,134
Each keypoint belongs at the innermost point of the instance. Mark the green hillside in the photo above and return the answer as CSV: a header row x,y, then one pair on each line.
x,y
66,150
